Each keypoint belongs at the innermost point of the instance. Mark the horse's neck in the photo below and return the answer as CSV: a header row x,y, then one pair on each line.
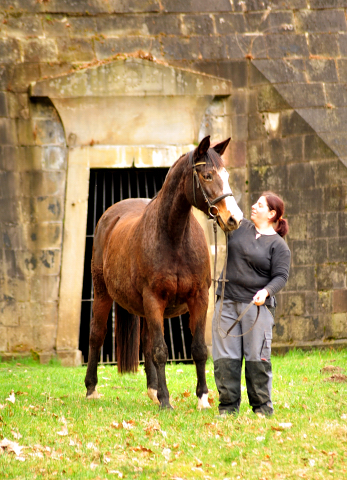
x,y
173,207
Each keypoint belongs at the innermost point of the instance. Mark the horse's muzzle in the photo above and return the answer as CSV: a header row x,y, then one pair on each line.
x,y
233,224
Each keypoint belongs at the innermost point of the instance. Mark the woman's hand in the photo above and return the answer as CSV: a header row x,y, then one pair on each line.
x,y
260,297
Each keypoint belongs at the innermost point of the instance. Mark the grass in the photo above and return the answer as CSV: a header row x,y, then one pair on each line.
x,y
124,435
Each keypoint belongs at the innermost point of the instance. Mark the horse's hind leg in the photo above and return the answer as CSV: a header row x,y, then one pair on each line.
x,y
101,308
198,309
151,373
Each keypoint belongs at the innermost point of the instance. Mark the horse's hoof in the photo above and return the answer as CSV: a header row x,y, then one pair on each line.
x,y
93,395
165,407
203,402
152,393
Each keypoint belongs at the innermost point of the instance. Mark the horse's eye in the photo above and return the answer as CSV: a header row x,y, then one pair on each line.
x,y
207,177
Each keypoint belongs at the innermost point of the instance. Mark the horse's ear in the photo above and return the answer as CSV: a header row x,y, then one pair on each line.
x,y
220,147
204,145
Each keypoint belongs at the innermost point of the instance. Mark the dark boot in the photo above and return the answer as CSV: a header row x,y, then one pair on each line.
x,y
259,385
227,374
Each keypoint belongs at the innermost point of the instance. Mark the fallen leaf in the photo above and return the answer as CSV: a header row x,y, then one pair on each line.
x,y
11,446
286,425
11,397
16,435
186,393
63,432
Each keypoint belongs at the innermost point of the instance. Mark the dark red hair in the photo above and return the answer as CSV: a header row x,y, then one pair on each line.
x,y
274,202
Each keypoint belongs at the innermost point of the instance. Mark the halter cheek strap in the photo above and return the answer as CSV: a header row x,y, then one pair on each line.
x,y
213,210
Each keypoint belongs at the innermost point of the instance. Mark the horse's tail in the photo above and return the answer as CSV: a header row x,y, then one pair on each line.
x,y
127,340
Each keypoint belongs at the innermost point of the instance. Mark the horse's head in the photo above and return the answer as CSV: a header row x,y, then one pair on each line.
x,y
209,189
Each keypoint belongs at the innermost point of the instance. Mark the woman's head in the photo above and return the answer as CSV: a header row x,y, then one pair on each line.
x,y
268,210
276,208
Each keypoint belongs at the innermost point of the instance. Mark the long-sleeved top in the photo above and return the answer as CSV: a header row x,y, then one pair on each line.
x,y
254,264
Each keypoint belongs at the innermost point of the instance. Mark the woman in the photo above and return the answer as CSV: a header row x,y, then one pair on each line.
x,y
257,268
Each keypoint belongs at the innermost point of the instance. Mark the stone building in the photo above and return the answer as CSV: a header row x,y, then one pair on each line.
x,y
110,83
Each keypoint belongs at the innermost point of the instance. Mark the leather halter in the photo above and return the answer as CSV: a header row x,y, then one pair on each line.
x,y
211,203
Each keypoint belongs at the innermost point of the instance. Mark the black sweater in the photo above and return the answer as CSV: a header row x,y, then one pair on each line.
x,y
254,264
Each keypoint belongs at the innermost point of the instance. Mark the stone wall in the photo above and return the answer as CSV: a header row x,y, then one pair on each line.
x,y
286,61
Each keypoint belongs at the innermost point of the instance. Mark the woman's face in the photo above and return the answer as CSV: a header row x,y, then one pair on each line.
x,y
261,212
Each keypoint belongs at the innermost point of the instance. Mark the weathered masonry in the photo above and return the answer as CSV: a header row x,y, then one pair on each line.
x,y
91,84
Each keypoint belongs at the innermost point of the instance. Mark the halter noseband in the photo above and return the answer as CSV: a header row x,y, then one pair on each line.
x,y
211,203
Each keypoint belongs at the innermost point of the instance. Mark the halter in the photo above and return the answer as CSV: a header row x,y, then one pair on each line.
x,y
211,203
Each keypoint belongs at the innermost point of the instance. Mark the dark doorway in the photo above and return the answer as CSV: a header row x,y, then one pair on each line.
x,y
107,187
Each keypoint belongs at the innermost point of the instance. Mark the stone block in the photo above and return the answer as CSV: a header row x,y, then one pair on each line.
x,y
42,262
54,158
337,249
301,175
257,77
163,24
293,303
48,208
237,154
311,200
303,95
281,21
9,313
342,216
3,341
321,225
323,44
235,49
235,71
227,23
301,279
335,198
17,288
195,6
197,25
280,71
9,50
9,155
44,288
41,183
38,50
81,26
321,21
26,132
269,100
321,70
48,132
316,149
9,210
22,26
268,178
294,124
8,184
6,72
297,223
239,127
218,49
238,103
43,235
342,40
293,149
330,172
75,49
310,252
8,134
11,237
257,22
4,104
331,276
338,328
284,45
336,94
70,358
111,46
114,25
340,302
23,74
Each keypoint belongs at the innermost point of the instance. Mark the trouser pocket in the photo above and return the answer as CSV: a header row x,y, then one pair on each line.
x,y
265,353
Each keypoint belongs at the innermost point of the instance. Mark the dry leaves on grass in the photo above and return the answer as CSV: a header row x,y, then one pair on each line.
x,y
338,378
332,368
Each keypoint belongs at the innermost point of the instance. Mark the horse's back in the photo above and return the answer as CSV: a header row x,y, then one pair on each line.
x,y
130,208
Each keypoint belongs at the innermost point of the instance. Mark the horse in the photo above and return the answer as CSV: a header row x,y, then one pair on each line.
x,y
151,258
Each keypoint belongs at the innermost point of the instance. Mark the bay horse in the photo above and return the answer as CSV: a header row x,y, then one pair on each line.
x,y
152,259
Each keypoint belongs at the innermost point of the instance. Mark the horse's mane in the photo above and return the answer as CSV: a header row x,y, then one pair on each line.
x,y
211,157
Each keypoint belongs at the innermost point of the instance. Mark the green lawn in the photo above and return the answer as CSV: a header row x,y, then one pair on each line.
x,y
54,432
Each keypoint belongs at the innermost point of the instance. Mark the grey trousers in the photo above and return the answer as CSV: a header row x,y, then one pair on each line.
x,y
228,353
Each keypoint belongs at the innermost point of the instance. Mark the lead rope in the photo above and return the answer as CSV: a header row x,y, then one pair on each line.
x,y
223,280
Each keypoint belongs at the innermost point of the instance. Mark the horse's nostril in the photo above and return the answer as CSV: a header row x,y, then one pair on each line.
x,y
231,221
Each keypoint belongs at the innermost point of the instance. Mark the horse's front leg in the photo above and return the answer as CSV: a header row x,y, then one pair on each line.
x,y
151,372
154,311
197,309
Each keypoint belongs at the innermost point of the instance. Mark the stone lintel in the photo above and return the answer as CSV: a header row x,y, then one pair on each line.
x,y
130,77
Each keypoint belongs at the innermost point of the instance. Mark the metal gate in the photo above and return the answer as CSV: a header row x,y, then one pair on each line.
x,y
107,187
